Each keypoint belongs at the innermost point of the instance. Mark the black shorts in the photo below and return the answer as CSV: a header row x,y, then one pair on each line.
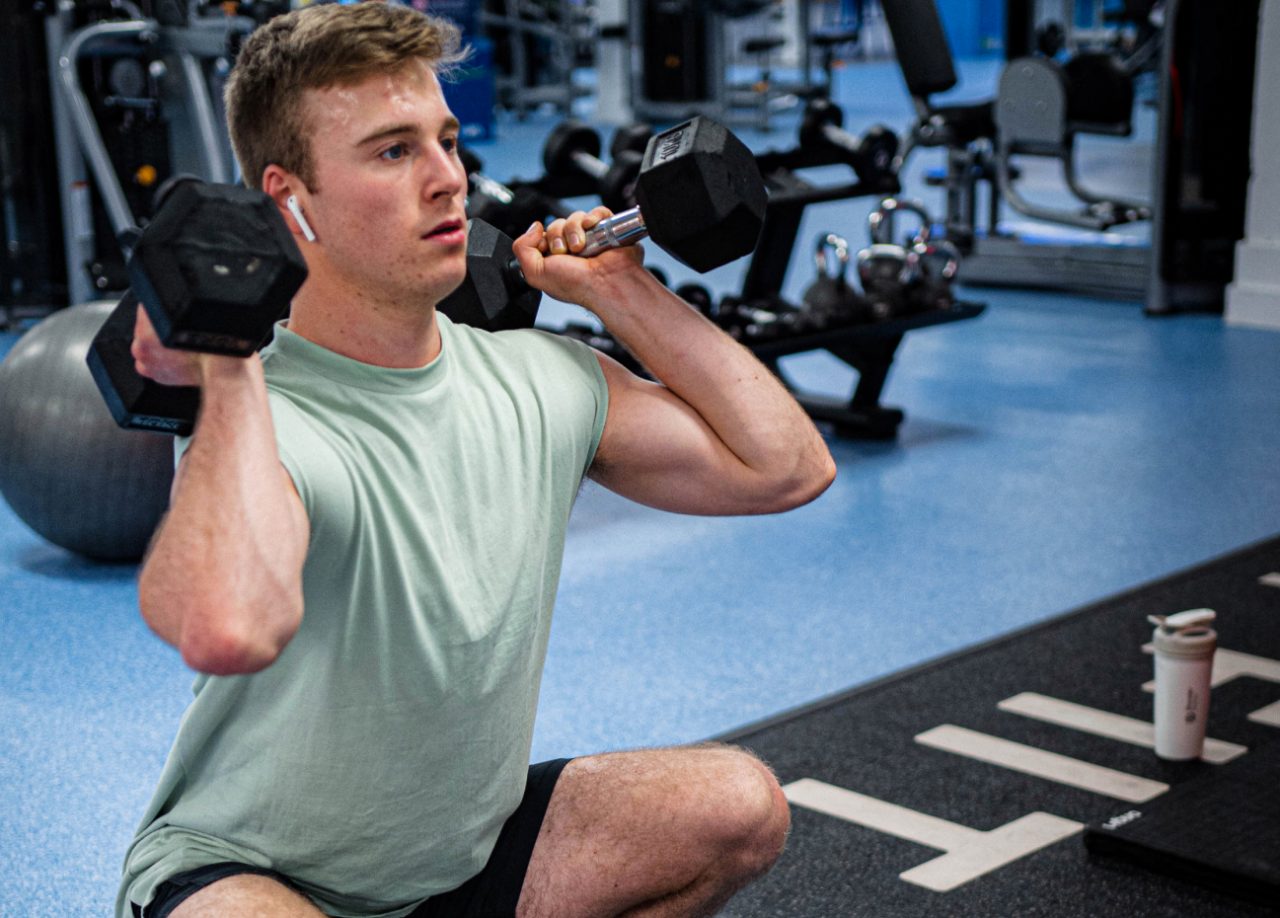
x,y
492,893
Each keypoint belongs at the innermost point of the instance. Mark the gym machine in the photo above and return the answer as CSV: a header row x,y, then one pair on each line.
x,y
1040,109
685,53
1130,29
32,268
155,80
1200,166
1204,59
1202,170
536,47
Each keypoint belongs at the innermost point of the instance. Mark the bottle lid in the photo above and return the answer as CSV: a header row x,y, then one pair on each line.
x,y
1183,621
1185,634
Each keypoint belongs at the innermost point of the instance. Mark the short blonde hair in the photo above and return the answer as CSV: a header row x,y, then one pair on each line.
x,y
317,47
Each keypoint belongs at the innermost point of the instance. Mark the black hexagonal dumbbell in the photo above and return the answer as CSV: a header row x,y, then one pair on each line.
x,y
215,267
135,401
871,155
700,195
573,148
493,296
630,138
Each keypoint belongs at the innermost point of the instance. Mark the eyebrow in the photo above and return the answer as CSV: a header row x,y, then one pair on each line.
x,y
451,124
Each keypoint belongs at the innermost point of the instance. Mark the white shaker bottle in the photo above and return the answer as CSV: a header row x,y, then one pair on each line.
x,y
1184,645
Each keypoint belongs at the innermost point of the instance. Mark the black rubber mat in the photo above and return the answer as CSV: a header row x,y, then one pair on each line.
x,y
916,767
1221,829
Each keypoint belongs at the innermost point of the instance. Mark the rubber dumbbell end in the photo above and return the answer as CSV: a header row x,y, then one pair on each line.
x,y
701,196
494,294
216,268
701,193
135,402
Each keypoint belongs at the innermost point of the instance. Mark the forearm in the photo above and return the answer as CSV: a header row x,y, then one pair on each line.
x,y
222,581
744,404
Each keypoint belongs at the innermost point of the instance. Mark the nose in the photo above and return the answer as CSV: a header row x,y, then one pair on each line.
x,y
447,176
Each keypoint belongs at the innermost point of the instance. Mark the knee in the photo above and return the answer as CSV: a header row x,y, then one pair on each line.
x,y
755,817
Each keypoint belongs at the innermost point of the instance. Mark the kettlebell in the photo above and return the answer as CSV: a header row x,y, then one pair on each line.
x,y
927,282
830,295
939,261
888,270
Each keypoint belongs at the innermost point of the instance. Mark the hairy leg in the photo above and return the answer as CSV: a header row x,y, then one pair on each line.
x,y
247,896
655,834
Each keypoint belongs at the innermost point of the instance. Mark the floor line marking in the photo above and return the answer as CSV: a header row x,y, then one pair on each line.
x,y
1041,763
1107,724
1231,664
969,853
1270,715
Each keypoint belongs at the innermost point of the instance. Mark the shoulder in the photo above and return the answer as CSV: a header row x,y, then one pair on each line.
x,y
530,352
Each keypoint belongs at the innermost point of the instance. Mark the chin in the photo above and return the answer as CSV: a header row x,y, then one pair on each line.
x,y
441,289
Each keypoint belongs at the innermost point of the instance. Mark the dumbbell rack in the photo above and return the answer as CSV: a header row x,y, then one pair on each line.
x,y
869,347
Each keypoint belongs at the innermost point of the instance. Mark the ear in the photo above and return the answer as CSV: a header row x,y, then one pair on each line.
x,y
291,196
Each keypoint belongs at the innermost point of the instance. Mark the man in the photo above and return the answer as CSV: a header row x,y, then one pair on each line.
x,y
366,528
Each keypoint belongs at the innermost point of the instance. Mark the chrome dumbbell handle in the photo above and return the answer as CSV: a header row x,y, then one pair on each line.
x,y
615,232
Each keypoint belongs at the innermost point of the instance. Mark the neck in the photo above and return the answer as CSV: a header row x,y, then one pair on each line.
x,y
355,325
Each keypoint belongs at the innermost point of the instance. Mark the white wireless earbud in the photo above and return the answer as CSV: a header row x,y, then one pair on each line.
x,y
292,203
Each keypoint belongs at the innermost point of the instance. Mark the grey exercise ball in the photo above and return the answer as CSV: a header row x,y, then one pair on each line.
x,y
66,469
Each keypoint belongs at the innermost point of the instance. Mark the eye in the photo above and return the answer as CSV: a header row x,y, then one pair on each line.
x,y
394,152
450,144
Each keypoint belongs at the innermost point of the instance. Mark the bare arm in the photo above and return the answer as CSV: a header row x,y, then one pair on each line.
x,y
222,581
719,434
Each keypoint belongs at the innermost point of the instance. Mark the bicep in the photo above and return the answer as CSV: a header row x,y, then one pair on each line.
x,y
658,451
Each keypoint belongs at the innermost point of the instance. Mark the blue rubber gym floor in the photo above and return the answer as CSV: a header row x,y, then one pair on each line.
x,y
1057,449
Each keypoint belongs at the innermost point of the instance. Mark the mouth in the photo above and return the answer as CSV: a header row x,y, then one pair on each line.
x,y
448,231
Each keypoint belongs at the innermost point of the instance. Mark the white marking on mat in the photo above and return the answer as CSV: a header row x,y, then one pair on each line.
x,y
1230,664
1105,723
1270,715
1272,579
1041,763
970,853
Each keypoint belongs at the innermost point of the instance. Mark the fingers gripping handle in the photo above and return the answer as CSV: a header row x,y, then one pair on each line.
x,y
626,228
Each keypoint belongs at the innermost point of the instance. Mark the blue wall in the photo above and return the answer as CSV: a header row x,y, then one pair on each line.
x,y
975,27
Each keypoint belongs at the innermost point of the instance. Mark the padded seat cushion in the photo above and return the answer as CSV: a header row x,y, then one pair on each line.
x,y
836,37
761,45
967,123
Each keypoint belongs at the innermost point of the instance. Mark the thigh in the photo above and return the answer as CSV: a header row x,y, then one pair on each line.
x,y
631,827
248,895
495,891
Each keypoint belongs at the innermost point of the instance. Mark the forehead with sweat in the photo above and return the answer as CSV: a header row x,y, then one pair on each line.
x,y
402,91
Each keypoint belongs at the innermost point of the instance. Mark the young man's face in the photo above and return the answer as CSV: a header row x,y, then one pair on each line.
x,y
389,189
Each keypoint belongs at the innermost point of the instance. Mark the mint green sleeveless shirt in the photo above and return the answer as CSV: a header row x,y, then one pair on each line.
x,y
376,760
